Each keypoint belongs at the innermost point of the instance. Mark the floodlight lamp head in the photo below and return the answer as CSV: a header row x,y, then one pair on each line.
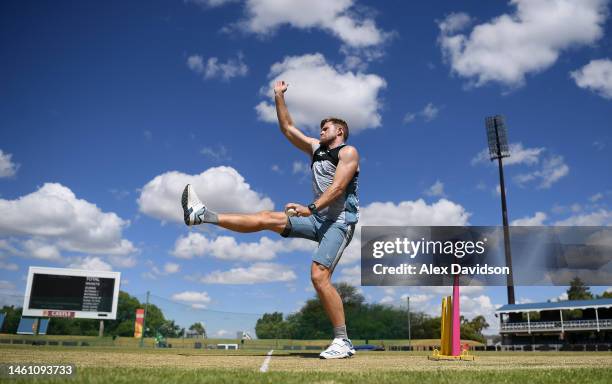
x,y
497,137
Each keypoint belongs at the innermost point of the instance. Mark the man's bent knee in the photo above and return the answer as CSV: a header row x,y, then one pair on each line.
x,y
320,276
275,221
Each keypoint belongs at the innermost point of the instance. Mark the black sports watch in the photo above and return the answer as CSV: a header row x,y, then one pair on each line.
x,y
313,208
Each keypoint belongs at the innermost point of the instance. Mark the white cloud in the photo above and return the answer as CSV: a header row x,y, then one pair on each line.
x,y
38,249
211,3
192,297
227,248
171,268
57,220
562,297
427,299
595,76
301,167
276,169
7,246
119,194
119,261
194,244
537,219
596,197
576,207
220,153
256,273
417,299
154,271
91,263
552,170
430,112
530,40
498,190
222,333
599,145
351,275
350,96
7,167
405,213
149,275
597,218
214,68
480,306
222,189
418,212
6,285
8,266
338,17
436,189
455,22
409,117
518,155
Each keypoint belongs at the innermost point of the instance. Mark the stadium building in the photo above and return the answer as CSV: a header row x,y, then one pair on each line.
x,y
573,325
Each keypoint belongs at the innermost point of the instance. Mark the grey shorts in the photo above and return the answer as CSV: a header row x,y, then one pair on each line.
x,y
333,237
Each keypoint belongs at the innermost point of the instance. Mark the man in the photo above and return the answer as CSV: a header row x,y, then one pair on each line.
x,y
329,220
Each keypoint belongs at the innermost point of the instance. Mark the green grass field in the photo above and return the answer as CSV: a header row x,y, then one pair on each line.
x,y
133,365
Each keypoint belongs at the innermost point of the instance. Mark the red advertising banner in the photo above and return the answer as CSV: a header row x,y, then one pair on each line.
x,y
138,323
69,314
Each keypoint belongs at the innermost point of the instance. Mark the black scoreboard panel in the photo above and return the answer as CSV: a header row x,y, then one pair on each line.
x,y
71,293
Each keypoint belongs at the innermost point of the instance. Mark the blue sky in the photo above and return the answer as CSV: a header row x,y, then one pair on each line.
x,y
108,109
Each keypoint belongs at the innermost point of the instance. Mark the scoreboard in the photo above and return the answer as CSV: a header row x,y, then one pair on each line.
x,y
60,292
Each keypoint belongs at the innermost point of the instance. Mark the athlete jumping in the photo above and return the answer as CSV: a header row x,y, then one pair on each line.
x,y
329,220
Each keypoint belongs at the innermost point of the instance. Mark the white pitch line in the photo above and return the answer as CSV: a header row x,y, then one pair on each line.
x,y
266,363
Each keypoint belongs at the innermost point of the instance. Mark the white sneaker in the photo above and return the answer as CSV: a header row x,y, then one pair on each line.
x,y
339,349
193,209
350,345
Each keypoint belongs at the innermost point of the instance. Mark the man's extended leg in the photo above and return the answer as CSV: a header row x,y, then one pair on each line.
x,y
253,222
195,212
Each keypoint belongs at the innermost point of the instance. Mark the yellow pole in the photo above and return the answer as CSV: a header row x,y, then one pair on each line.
x,y
445,341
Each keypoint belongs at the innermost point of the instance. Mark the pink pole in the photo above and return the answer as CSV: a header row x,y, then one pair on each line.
x,y
456,324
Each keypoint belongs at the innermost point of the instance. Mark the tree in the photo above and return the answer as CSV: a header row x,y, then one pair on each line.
x,y
198,328
349,294
170,329
272,326
363,321
126,316
472,330
605,295
122,326
578,290
11,321
479,323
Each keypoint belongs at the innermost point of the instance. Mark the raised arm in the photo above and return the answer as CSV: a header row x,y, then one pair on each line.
x,y
295,136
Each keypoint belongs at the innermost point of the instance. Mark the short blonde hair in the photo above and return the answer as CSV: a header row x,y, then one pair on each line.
x,y
337,122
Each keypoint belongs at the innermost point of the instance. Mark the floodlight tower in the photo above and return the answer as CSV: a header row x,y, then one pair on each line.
x,y
497,136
